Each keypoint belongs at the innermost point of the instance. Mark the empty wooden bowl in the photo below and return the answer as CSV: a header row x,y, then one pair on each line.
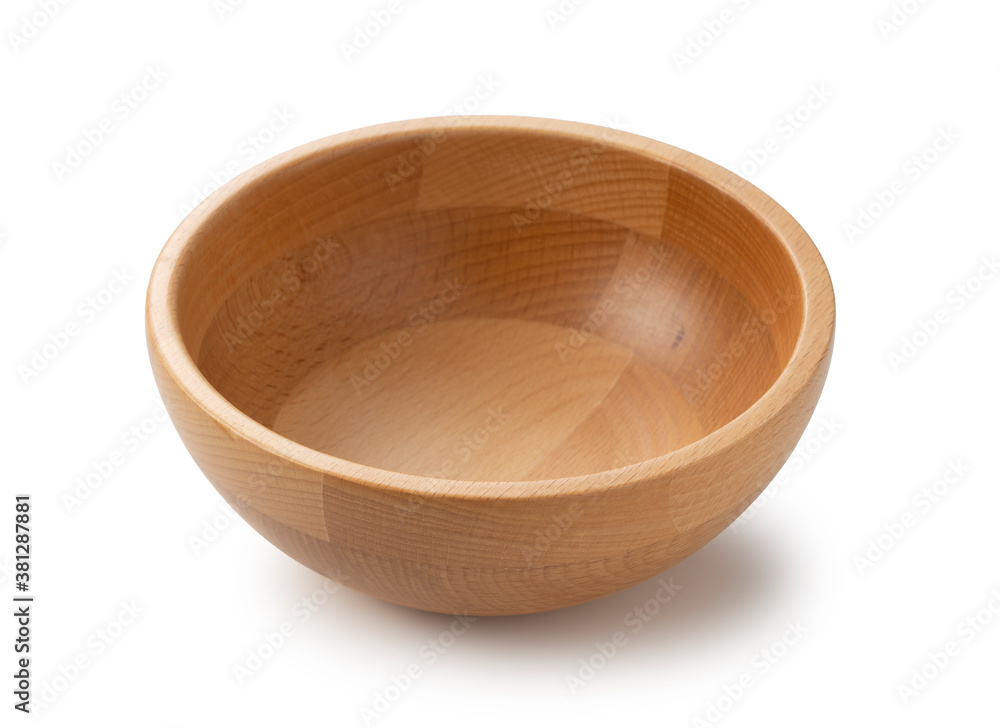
x,y
489,365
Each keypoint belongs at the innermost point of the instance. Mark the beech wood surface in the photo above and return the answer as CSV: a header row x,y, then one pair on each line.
x,y
489,365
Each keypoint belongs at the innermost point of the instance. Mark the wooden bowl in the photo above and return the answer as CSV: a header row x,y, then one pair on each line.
x,y
489,365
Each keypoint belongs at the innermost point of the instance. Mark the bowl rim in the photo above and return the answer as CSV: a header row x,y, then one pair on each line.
x,y
814,340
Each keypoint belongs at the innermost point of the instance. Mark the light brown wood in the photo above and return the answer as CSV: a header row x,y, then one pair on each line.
x,y
489,365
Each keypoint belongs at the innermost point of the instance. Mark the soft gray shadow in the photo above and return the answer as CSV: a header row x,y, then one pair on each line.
x,y
724,587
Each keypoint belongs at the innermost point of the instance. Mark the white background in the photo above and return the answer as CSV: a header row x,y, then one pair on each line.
x,y
885,429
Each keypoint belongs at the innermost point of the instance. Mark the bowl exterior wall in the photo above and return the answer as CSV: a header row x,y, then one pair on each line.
x,y
488,556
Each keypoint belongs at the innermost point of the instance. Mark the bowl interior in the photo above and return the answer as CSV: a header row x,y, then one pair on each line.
x,y
488,304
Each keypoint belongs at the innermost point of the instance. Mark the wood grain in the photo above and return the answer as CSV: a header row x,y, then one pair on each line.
x,y
489,365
